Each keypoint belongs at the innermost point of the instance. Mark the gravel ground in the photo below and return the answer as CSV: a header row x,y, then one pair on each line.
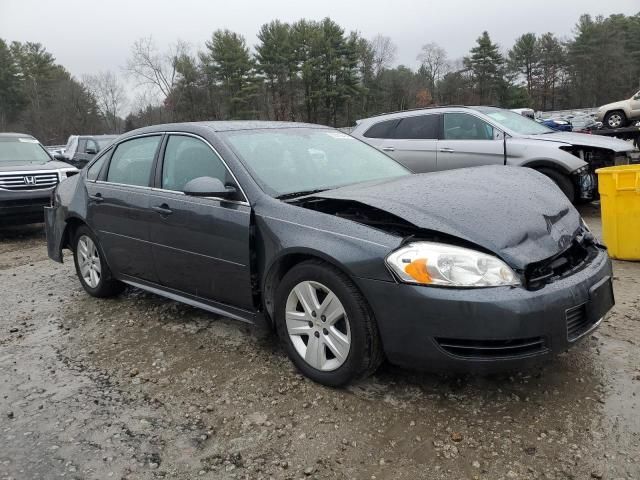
x,y
142,387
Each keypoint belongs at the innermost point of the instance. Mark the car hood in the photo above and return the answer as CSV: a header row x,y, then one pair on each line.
x,y
21,166
516,213
585,140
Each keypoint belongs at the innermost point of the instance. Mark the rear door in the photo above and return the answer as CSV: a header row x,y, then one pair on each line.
x,y
468,141
414,142
118,206
200,245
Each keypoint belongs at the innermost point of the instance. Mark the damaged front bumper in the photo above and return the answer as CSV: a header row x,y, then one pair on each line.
x,y
488,329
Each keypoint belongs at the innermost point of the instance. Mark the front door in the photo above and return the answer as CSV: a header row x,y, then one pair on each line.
x,y
200,245
118,207
468,141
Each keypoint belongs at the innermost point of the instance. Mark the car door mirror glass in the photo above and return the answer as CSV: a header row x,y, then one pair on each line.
x,y
208,187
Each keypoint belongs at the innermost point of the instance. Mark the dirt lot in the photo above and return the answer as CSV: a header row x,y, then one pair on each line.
x,y
142,387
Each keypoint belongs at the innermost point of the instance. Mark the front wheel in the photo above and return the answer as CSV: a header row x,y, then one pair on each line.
x,y
91,268
326,325
615,119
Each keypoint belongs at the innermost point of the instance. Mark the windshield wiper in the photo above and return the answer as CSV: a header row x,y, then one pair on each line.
x,y
293,195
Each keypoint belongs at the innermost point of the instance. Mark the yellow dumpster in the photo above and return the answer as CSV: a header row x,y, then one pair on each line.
x,y
619,189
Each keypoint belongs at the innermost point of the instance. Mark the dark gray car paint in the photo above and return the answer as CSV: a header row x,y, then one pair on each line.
x,y
518,214
530,222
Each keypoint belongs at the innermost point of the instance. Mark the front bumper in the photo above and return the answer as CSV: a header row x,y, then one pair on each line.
x,y
22,208
487,329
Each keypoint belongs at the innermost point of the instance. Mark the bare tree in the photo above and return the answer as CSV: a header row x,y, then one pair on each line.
x,y
153,68
433,63
384,53
110,96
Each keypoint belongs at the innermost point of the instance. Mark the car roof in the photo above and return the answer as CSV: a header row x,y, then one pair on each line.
x,y
15,135
418,111
225,126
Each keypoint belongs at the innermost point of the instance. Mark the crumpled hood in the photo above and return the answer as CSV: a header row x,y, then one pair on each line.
x,y
514,212
22,166
586,140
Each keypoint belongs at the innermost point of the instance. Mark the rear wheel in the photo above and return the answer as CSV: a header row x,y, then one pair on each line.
x,y
563,182
91,268
325,325
615,119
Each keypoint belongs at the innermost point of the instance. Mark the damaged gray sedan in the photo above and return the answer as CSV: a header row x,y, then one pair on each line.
x,y
346,254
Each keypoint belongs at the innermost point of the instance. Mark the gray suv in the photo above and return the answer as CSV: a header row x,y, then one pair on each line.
x,y
28,175
434,139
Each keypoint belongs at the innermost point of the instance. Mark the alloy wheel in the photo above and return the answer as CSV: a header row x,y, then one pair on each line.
x,y
318,326
615,120
89,261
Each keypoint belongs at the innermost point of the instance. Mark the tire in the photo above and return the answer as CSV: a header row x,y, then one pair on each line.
x,y
356,324
91,267
615,119
563,182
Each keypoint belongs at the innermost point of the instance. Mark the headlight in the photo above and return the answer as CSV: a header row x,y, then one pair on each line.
x,y
439,264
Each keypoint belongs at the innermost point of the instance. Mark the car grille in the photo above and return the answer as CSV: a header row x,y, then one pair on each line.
x,y
492,349
578,322
573,259
28,181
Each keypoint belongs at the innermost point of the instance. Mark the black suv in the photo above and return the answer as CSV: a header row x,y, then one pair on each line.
x,y
82,148
28,175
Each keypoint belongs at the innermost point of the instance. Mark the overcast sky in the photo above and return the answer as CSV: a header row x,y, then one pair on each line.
x,y
87,36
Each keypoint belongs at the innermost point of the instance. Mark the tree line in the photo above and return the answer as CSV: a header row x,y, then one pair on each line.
x,y
317,72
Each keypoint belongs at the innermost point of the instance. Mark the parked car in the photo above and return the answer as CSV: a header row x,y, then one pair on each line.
x,y
350,256
28,175
82,148
620,114
557,124
427,140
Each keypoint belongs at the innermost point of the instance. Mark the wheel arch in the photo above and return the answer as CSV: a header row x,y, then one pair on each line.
x,y
284,262
547,163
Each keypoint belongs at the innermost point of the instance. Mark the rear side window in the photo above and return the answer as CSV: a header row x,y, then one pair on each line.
x,y
381,130
94,170
132,160
423,127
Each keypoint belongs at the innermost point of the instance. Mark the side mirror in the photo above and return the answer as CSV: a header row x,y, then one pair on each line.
x,y
60,157
90,151
208,187
636,96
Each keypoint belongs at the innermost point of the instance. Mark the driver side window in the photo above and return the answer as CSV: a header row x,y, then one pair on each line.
x,y
462,126
186,158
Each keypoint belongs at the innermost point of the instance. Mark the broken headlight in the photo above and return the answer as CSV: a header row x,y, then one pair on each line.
x,y
428,263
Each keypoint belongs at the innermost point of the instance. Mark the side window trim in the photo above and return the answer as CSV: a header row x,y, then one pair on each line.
x,y
158,173
105,168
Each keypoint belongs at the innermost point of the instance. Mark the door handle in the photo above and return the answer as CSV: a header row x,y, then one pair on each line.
x,y
96,198
388,149
447,150
162,209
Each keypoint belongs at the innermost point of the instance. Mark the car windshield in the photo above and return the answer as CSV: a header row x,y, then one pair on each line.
x,y
514,121
16,150
299,160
